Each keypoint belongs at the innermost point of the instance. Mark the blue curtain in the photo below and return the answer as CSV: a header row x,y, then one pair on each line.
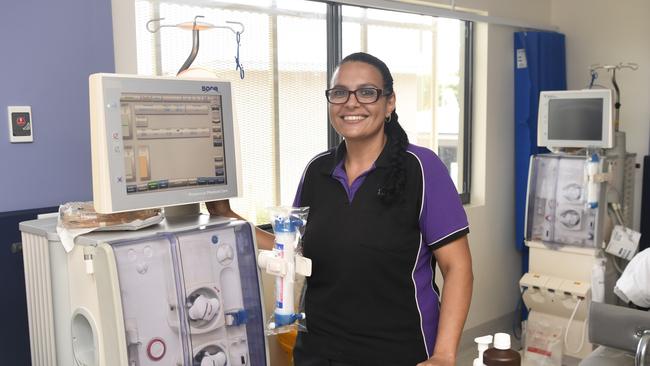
x,y
540,64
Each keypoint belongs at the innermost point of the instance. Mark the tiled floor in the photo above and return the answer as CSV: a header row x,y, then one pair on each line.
x,y
466,357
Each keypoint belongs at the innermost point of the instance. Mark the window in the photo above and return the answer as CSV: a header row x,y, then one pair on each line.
x,y
280,105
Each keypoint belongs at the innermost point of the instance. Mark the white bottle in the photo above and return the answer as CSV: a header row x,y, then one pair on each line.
x,y
483,344
285,246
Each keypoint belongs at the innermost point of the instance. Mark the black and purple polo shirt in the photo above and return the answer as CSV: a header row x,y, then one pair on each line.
x,y
372,298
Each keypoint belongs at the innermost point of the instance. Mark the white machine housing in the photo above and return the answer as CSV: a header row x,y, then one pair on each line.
x,y
566,268
126,298
562,253
556,204
557,285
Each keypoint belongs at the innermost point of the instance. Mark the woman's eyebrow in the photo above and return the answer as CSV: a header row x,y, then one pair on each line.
x,y
366,85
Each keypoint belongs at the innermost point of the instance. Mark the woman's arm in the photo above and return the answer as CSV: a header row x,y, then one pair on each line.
x,y
265,240
455,263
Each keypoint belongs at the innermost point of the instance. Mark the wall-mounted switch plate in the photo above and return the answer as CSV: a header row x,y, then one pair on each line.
x,y
21,127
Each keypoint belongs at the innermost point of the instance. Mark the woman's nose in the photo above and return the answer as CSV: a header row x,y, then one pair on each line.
x,y
352,103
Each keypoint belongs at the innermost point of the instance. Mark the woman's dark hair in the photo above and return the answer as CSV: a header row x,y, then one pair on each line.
x,y
393,186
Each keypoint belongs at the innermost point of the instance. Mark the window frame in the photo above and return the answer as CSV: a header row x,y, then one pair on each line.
x,y
334,23
468,116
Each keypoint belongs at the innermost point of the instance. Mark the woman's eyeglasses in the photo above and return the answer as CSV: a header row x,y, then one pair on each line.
x,y
363,95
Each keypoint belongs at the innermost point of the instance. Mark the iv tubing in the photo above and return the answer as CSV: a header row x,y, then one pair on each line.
x,y
566,332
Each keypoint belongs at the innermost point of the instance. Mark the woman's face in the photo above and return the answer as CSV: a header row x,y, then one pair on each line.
x,y
354,120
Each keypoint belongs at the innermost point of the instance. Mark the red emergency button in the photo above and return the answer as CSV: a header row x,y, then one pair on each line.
x,y
156,349
21,121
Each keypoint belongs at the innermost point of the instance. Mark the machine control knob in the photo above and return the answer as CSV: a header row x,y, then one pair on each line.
x,y
156,349
225,254
218,359
204,308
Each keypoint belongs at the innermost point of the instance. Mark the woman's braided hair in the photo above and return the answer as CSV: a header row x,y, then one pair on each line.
x,y
393,186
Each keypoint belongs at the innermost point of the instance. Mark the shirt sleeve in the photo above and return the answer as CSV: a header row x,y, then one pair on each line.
x,y
298,197
443,218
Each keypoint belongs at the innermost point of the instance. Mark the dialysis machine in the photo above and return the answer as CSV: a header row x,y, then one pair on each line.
x,y
185,291
570,192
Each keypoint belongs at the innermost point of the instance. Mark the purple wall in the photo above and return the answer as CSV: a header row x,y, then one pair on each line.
x,y
48,49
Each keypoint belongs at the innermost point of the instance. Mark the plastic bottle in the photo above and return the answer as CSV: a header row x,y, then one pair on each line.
x,y
593,187
286,233
483,344
501,354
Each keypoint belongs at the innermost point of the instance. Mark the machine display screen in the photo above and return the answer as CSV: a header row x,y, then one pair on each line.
x,y
172,141
575,119
161,142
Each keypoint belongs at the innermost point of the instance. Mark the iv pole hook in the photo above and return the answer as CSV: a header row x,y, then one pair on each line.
x,y
613,69
239,24
154,29
617,104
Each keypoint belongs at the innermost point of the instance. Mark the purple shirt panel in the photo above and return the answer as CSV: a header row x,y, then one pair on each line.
x,y
427,299
442,213
298,197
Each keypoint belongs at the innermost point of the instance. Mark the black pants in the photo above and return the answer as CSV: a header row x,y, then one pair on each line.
x,y
301,358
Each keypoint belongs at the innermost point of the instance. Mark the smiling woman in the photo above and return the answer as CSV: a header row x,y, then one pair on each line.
x,y
383,213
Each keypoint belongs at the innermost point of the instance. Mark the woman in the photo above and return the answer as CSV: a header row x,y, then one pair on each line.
x,y
382,213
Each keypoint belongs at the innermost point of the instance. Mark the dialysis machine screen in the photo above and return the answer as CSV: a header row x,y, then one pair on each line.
x,y
160,142
575,118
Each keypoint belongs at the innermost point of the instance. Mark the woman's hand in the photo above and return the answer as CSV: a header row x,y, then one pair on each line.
x,y
221,208
438,360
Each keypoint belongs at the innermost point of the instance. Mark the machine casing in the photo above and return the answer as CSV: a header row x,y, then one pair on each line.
x,y
559,274
121,298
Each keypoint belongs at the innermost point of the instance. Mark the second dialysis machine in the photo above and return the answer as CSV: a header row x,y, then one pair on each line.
x,y
569,194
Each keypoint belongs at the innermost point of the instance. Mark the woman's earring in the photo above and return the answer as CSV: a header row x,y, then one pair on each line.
x,y
387,119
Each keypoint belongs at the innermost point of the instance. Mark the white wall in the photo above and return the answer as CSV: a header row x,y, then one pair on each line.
x,y
496,262
609,32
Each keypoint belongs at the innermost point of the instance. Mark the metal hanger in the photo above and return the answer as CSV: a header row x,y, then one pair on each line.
x,y
196,26
593,70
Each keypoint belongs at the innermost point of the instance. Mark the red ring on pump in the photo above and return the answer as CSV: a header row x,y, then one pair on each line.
x,y
151,344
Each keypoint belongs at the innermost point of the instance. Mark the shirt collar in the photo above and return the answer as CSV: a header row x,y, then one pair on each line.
x,y
383,160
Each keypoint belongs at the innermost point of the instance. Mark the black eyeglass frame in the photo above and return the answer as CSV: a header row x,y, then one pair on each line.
x,y
380,93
